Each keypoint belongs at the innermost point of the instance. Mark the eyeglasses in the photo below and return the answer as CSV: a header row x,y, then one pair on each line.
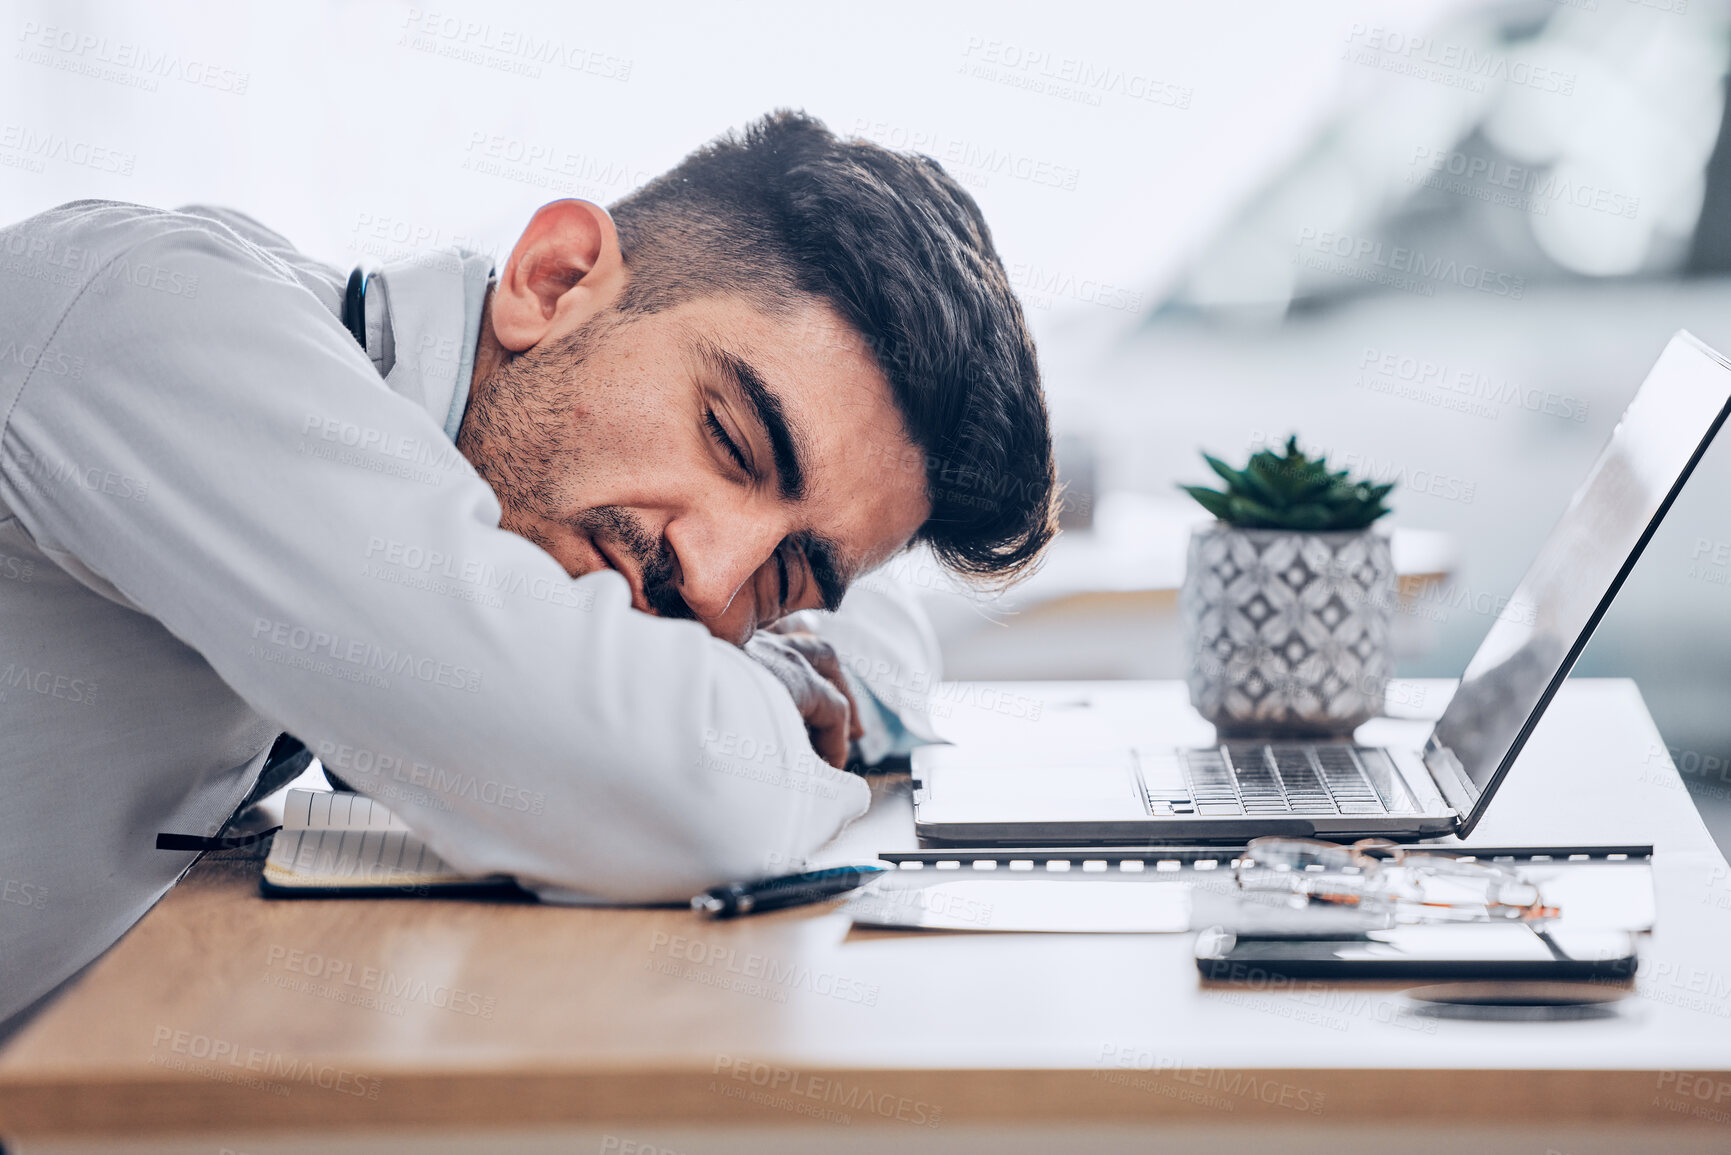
x,y
1378,875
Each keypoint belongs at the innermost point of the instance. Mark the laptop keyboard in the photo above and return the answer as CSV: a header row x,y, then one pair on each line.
x,y
1255,780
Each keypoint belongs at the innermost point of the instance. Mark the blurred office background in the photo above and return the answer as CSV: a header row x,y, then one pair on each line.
x,y
1441,239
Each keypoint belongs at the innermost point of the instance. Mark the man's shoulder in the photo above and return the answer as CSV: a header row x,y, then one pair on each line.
x,y
85,233
81,237
50,258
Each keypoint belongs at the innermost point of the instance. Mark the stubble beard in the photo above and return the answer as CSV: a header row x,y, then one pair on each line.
x,y
515,432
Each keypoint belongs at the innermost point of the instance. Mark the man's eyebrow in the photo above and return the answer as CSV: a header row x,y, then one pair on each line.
x,y
824,558
784,437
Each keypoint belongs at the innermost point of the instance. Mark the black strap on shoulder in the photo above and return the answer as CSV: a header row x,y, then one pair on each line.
x,y
355,307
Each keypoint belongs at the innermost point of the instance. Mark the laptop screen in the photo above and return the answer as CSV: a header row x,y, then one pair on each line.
x,y
1545,625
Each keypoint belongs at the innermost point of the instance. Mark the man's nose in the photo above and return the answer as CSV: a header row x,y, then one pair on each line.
x,y
718,557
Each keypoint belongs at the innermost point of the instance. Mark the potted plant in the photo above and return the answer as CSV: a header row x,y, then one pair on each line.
x,y
1287,598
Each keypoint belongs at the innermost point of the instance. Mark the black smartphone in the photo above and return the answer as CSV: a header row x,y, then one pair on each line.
x,y
1514,950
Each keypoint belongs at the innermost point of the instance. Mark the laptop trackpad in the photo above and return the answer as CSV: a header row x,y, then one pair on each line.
x,y
1063,790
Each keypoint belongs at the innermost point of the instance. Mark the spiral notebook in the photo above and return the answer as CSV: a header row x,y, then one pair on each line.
x,y
343,845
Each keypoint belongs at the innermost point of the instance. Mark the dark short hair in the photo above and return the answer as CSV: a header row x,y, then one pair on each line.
x,y
784,209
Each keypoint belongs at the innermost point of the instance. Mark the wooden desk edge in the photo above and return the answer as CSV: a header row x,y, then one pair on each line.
x,y
744,1092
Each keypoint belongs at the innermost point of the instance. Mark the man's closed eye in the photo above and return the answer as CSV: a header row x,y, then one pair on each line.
x,y
718,433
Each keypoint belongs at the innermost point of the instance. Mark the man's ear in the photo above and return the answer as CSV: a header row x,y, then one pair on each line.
x,y
565,269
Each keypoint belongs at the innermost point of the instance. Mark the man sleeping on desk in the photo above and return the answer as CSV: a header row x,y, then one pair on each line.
x,y
525,552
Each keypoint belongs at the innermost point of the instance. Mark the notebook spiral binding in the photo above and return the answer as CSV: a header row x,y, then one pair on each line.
x,y
1168,858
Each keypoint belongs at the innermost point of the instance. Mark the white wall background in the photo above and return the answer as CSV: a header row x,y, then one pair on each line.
x,y
364,117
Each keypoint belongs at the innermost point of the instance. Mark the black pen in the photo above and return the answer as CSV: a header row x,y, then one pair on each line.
x,y
788,890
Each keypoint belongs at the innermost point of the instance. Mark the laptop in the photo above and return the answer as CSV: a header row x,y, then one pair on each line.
x,y
1341,790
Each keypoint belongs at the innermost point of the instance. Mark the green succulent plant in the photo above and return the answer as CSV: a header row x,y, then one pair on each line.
x,y
1290,492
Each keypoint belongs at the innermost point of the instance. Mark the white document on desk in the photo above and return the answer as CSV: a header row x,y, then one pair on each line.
x,y
1597,895
1088,905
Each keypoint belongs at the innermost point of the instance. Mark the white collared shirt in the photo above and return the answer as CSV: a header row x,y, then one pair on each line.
x,y
218,523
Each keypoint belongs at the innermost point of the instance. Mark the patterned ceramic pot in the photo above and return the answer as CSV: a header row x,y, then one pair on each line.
x,y
1287,632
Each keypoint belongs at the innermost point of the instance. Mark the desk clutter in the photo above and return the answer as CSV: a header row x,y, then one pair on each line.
x,y
1584,907
1274,906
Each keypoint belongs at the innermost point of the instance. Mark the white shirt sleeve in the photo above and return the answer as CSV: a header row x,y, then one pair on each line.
x,y
321,544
